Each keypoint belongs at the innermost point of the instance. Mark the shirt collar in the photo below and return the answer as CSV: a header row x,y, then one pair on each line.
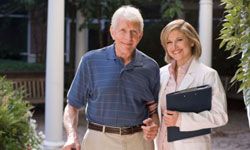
x,y
111,52
137,60
182,69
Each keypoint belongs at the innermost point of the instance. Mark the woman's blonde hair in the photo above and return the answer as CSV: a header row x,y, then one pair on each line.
x,y
185,28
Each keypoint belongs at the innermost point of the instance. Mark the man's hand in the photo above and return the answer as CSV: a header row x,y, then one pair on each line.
x,y
72,143
150,129
70,121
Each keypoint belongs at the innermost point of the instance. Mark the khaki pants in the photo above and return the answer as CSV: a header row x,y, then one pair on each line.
x,y
96,140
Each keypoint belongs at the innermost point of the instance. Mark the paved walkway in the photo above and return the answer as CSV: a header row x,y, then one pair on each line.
x,y
234,136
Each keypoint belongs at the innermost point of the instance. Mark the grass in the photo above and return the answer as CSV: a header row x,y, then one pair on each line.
x,y
20,66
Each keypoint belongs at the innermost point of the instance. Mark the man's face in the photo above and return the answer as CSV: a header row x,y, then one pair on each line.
x,y
126,35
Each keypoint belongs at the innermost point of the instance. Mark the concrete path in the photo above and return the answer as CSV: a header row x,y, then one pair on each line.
x,y
234,136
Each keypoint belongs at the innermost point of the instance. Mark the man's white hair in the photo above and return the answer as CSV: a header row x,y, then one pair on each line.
x,y
129,13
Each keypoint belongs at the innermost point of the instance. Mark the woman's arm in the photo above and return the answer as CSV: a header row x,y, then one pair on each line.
x,y
216,117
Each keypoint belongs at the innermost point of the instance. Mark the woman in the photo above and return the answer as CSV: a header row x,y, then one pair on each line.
x,y
183,49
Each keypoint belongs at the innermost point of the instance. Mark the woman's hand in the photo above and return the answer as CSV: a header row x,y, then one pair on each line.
x,y
170,118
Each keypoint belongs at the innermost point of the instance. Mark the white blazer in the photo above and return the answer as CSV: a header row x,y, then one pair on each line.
x,y
198,74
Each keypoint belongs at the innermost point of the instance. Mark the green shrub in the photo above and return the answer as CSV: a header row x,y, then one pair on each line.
x,y
17,128
235,36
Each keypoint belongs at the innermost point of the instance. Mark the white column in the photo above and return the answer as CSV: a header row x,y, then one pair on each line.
x,y
248,114
81,39
246,95
205,30
54,76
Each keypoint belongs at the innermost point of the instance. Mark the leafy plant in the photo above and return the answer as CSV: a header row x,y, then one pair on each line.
x,y
235,36
17,128
171,9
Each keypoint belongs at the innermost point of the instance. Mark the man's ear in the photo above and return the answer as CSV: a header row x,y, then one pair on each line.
x,y
111,30
141,35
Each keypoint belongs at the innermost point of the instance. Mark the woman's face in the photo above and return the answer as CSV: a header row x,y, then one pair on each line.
x,y
179,47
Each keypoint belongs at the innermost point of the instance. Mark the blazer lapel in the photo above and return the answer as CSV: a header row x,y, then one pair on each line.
x,y
189,77
186,82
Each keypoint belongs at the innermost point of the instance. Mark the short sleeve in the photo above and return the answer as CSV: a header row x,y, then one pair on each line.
x,y
79,89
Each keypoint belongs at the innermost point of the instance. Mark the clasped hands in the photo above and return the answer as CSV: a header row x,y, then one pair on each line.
x,y
150,129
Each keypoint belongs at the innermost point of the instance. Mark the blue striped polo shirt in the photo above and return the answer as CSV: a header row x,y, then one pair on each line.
x,y
115,94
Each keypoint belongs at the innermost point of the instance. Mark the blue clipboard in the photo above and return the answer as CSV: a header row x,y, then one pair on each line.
x,y
194,99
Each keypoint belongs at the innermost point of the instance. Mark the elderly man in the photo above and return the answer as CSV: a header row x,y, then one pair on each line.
x,y
119,86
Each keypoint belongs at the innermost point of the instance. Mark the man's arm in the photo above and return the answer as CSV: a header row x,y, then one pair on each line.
x,y
70,121
150,127
152,109
155,118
